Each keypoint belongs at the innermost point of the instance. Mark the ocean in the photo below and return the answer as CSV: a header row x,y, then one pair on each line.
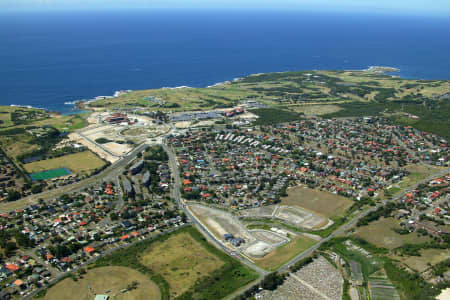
x,y
50,58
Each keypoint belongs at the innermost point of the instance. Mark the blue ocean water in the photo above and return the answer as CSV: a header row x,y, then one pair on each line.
x,y
48,58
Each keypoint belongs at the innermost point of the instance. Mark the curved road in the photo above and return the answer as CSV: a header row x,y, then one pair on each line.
x,y
173,165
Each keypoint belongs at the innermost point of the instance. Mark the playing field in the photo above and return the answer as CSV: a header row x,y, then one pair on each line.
x,y
283,254
322,202
102,280
49,174
79,163
381,234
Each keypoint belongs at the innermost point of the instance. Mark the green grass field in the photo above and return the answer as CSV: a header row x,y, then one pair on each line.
x,y
381,233
192,264
181,260
99,280
79,163
49,174
283,254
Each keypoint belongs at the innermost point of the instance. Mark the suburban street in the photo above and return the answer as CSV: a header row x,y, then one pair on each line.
x,y
109,174
176,194
352,222
113,172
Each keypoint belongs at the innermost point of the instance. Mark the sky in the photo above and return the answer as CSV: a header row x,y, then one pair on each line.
x,y
417,7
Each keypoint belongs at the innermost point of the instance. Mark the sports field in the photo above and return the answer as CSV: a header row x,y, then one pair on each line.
x,y
79,163
49,174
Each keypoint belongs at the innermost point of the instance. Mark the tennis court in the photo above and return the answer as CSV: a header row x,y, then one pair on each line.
x,y
49,174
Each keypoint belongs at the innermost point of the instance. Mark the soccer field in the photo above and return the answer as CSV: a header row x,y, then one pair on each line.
x,y
49,174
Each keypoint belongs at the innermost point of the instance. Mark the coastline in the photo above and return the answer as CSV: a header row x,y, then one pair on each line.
x,y
80,105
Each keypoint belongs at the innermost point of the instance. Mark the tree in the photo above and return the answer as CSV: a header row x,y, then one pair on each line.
x,y
13,195
272,281
36,189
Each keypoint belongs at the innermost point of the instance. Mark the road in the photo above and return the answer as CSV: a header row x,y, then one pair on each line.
x,y
352,222
173,165
109,174
93,259
112,172
176,195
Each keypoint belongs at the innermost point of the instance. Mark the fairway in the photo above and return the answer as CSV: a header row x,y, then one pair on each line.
x,y
103,279
79,163
283,254
381,234
181,260
49,174
324,203
316,110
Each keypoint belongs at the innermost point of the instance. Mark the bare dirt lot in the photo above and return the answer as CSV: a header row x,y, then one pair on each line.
x,y
263,211
322,202
119,149
300,217
103,279
220,222
93,147
269,237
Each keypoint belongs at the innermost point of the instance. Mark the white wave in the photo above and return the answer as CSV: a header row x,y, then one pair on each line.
x,y
26,106
217,84
177,87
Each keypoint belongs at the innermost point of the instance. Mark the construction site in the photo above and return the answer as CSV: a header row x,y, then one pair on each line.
x,y
113,135
291,215
234,235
